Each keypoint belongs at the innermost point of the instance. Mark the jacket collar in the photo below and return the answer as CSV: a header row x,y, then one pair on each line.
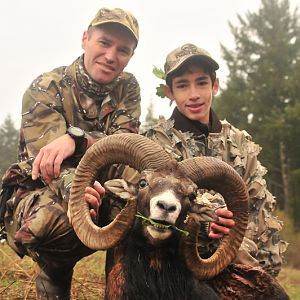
x,y
184,124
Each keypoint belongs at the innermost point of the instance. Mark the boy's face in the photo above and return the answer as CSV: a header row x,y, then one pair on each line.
x,y
193,93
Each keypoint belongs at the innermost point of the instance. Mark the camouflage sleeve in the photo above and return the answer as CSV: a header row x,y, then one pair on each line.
x,y
262,244
40,123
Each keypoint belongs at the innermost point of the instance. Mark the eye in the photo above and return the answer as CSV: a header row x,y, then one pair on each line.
x,y
143,183
192,196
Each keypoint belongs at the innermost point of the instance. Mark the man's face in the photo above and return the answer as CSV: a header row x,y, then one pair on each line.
x,y
193,93
108,49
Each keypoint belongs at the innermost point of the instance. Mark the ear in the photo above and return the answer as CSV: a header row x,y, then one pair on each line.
x,y
84,40
120,188
168,92
215,87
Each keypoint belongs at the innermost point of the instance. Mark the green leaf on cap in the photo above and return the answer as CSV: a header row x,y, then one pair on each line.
x,y
159,73
160,91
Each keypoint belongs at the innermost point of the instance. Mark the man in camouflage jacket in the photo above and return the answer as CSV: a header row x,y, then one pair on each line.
x,y
63,113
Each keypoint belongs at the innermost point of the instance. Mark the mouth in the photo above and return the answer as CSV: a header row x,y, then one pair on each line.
x,y
159,225
105,67
197,107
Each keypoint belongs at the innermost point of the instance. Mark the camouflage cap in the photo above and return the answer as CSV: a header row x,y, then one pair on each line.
x,y
177,57
117,15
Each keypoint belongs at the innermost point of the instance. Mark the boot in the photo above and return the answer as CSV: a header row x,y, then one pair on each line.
x,y
53,289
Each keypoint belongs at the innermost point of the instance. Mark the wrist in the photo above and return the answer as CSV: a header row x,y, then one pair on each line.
x,y
79,137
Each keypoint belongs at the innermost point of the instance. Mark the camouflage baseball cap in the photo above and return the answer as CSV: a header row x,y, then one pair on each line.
x,y
177,57
117,15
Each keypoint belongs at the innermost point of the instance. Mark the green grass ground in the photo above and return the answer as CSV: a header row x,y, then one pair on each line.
x,y
17,277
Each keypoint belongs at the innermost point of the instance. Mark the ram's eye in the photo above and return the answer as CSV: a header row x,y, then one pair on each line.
x,y
192,196
143,183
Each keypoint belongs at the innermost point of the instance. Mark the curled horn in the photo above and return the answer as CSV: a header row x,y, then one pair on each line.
x,y
212,173
131,149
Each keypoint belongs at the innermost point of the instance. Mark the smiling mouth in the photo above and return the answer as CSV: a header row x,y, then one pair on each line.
x,y
106,67
195,107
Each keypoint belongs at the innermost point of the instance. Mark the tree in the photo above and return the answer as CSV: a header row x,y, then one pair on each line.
x,y
262,93
8,144
150,120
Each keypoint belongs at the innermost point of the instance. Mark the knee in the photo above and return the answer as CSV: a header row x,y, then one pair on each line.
x,y
42,222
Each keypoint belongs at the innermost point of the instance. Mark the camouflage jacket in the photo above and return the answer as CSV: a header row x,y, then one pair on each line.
x,y
68,96
262,244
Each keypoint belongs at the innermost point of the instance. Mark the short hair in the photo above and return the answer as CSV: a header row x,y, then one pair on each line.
x,y
194,61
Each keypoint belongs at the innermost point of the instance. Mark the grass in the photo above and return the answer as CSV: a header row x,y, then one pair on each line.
x,y
289,279
17,277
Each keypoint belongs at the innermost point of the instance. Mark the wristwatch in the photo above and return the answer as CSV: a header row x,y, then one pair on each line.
x,y
78,135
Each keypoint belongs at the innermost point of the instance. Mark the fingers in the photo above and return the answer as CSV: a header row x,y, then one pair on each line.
x,y
214,234
56,167
218,231
222,227
36,166
225,213
93,196
93,214
48,162
99,188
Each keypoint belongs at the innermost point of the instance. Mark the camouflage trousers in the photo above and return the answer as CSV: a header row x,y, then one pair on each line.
x,y
39,227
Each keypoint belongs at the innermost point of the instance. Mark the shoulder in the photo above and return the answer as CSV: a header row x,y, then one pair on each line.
x,y
44,81
232,134
231,131
128,80
233,145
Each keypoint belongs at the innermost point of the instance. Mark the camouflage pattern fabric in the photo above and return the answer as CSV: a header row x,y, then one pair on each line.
x,y
262,245
36,220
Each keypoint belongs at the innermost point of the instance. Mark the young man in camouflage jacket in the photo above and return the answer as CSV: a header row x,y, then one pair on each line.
x,y
195,130
63,113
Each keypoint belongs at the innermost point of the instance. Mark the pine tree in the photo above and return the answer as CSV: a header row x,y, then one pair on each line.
x,y
262,94
8,144
150,120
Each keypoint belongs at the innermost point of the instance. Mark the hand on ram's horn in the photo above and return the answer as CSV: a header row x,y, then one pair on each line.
x,y
93,196
222,226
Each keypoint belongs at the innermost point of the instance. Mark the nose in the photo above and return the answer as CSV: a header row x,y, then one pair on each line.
x,y
110,55
194,93
166,206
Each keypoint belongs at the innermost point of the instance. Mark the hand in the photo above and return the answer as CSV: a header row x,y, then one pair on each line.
x,y
93,196
222,227
49,159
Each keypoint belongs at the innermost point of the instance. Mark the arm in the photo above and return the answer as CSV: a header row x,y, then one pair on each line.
x,y
43,125
119,112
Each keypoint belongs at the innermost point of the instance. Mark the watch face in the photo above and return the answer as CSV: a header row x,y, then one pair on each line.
x,y
76,131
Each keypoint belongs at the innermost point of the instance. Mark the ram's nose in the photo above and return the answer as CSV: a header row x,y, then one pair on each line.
x,y
168,207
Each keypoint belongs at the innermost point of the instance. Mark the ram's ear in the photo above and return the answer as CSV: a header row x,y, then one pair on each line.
x,y
120,188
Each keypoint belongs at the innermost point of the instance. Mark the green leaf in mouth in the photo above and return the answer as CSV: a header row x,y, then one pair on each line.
x,y
146,222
